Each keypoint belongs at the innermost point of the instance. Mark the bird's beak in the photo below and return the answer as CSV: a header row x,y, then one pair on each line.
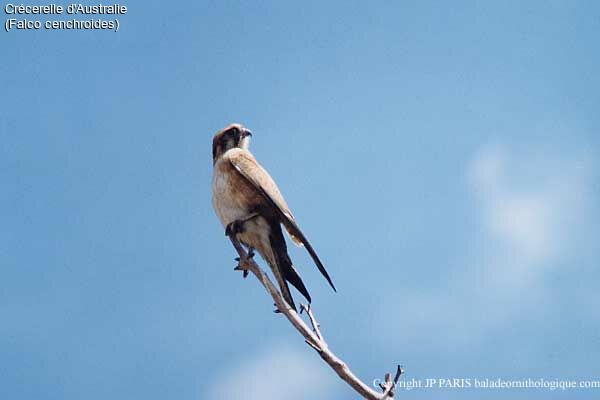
x,y
247,132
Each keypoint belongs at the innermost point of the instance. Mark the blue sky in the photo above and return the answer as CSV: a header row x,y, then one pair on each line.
x,y
443,158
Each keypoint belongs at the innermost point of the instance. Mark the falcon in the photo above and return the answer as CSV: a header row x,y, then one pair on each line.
x,y
251,207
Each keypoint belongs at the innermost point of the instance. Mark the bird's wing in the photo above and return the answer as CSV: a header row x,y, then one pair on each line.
x,y
247,166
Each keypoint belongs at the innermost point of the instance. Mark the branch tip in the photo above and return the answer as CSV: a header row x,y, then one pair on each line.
x,y
312,337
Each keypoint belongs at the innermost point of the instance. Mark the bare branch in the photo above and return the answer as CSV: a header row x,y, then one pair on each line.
x,y
313,337
313,321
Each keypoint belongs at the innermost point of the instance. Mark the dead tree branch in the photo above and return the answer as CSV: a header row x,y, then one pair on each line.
x,y
313,337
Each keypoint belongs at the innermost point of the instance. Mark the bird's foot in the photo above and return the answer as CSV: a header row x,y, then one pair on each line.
x,y
243,264
237,226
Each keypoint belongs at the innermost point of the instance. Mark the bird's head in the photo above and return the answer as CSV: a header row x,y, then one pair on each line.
x,y
232,136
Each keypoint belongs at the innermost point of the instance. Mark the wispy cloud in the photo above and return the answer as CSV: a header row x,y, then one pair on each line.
x,y
532,211
276,372
529,207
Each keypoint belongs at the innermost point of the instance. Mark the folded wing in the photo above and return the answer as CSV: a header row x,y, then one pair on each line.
x,y
247,166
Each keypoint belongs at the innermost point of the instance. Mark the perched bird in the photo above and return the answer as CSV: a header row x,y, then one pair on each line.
x,y
250,206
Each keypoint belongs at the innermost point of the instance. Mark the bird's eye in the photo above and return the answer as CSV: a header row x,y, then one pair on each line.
x,y
233,132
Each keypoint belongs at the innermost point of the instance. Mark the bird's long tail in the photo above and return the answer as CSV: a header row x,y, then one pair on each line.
x,y
282,266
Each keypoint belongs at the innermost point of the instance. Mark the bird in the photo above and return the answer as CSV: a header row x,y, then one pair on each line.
x,y
250,206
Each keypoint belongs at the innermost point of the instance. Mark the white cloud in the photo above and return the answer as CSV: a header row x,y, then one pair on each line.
x,y
529,206
532,211
277,372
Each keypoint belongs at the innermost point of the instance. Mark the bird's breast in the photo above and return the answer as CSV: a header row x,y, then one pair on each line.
x,y
228,195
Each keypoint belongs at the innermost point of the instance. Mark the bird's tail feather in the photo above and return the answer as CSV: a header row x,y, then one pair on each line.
x,y
284,269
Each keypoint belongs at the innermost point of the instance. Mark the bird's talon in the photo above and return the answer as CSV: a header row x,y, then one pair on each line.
x,y
243,264
244,270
